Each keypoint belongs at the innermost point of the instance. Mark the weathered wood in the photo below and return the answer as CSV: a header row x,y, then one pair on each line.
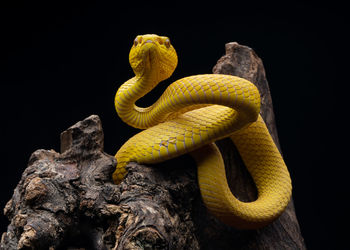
x,y
67,200
284,233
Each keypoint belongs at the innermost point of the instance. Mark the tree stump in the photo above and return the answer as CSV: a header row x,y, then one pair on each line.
x,y
67,200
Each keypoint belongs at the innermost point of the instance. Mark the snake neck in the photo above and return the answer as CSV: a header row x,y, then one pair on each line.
x,y
127,95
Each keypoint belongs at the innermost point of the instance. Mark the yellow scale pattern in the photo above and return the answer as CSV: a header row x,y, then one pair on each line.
x,y
191,114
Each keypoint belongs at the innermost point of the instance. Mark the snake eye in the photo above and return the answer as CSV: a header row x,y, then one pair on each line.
x,y
167,42
137,41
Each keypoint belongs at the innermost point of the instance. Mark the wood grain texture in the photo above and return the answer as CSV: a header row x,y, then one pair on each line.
x,y
67,200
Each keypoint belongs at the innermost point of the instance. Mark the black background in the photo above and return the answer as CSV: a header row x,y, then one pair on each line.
x,y
63,62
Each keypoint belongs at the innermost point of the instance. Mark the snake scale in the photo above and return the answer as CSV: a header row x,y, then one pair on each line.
x,y
190,115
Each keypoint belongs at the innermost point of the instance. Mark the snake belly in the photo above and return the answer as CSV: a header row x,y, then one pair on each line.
x,y
189,117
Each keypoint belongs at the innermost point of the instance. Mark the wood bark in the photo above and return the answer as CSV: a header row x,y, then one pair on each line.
x,y
67,200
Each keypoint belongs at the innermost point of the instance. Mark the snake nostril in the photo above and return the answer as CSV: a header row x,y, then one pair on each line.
x,y
160,41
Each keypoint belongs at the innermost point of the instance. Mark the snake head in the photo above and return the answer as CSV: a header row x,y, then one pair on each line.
x,y
153,54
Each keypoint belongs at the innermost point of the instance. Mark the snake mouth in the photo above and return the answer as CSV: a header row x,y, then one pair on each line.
x,y
150,52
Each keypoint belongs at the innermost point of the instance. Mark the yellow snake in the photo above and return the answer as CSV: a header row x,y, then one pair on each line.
x,y
190,115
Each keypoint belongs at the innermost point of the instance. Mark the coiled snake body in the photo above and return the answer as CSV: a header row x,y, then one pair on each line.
x,y
191,114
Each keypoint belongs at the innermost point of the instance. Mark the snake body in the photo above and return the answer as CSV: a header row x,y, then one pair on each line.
x,y
190,115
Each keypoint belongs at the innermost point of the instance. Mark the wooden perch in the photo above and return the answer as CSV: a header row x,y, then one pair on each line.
x,y
67,200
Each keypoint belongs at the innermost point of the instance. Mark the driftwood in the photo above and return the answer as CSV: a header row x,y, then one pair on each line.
x,y
67,200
